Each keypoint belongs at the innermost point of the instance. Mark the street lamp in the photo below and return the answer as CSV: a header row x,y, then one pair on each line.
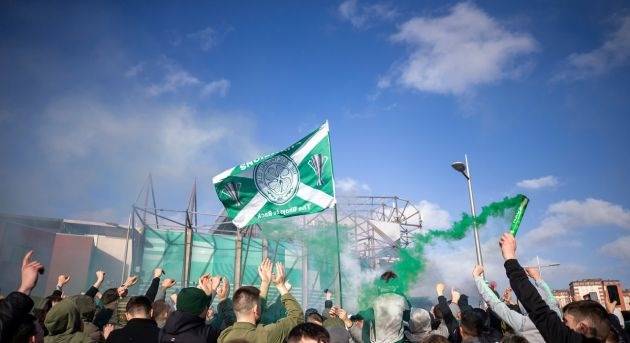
x,y
464,169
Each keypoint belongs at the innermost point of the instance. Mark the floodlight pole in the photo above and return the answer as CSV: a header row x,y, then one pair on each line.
x,y
474,213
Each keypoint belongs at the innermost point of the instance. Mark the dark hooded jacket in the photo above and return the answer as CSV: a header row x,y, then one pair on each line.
x,y
63,322
186,327
136,330
87,307
13,308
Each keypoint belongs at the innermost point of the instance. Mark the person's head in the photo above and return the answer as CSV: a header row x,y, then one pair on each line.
x,y
514,339
470,325
194,301
588,318
138,307
161,311
122,291
483,315
27,330
419,321
308,333
357,320
388,275
109,296
312,316
435,339
63,318
586,297
246,302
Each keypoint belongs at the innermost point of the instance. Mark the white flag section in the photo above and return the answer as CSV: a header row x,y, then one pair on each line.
x,y
295,181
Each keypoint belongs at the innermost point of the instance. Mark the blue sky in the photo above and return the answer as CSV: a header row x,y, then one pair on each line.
x,y
96,95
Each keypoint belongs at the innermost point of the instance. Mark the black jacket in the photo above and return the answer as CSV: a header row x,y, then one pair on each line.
x,y
546,320
136,330
15,306
185,327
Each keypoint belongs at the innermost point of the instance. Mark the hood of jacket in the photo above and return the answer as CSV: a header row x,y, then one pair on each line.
x,y
86,307
179,322
63,318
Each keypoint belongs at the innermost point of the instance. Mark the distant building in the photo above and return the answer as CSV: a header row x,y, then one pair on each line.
x,y
562,296
626,297
595,289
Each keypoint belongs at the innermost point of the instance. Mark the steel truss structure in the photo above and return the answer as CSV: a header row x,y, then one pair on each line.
x,y
377,227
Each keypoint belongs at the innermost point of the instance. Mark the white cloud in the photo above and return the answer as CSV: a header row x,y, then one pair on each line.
x,y
350,186
613,53
541,182
566,216
219,87
91,147
619,248
174,79
459,51
207,38
433,216
362,16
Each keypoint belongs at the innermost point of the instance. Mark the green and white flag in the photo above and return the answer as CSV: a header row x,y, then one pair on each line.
x,y
295,181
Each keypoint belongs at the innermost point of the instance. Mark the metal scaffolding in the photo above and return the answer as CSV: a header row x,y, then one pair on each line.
x,y
376,226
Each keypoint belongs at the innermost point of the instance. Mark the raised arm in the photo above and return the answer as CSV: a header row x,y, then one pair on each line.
x,y
546,320
280,330
100,277
264,271
155,284
225,310
551,301
18,304
62,280
447,314
501,309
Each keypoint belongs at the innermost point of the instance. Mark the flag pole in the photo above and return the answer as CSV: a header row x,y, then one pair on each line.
x,y
336,225
338,258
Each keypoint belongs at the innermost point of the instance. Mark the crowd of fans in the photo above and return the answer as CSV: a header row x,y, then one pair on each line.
x,y
114,316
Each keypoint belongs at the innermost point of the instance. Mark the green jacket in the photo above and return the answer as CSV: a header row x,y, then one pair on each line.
x,y
63,322
272,333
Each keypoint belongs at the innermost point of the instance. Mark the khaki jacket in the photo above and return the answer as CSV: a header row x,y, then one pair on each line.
x,y
272,333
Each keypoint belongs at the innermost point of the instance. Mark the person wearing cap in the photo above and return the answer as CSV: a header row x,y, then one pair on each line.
x,y
188,322
247,307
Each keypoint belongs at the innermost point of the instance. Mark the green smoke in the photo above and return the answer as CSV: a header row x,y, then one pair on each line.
x,y
411,263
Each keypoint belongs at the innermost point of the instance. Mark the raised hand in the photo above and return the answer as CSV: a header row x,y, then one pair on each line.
x,y
131,280
439,288
30,273
343,315
280,276
224,290
100,277
455,295
204,284
478,271
533,273
508,246
168,283
264,271
62,280
507,295
157,272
